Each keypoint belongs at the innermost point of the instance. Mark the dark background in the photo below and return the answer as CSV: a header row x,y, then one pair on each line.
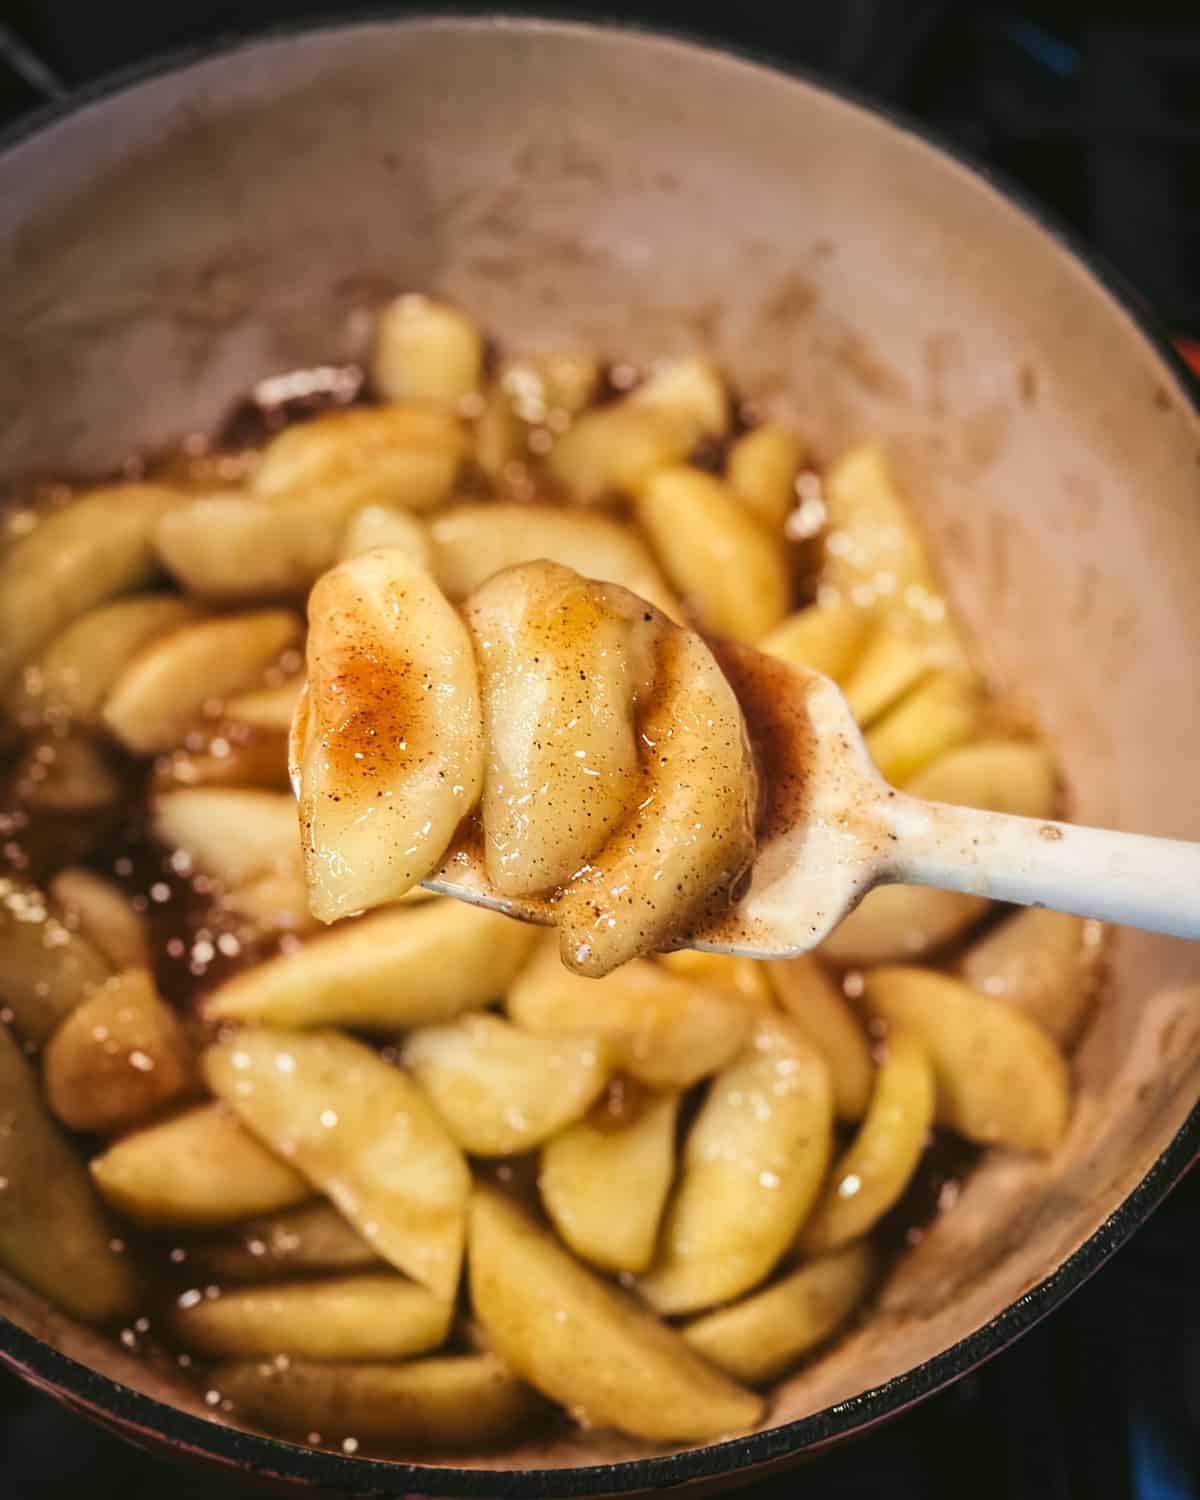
x,y
1095,110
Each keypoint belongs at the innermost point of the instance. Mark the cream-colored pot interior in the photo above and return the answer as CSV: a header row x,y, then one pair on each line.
x,y
163,248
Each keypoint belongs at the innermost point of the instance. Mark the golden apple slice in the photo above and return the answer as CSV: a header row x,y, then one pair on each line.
x,y
378,526
939,714
888,666
271,708
450,1401
666,1031
500,1090
118,1058
1000,1079
1044,964
605,1185
415,965
585,1344
756,1339
388,743
166,687
53,1232
313,1237
724,563
744,977
231,833
198,1170
561,663
875,1168
692,835
75,558
473,541
753,1165
360,1131
813,1001
70,678
426,350
823,639
762,469
46,968
104,916
376,1315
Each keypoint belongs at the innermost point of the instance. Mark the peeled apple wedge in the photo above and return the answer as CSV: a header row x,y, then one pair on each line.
x,y
104,916
231,833
691,388
752,1167
411,965
53,1232
425,349
387,747
198,1170
561,661
472,541
501,1091
165,688
826,639
46,968
744,977
74,559
539,385
875,1168
70,678
1043,964
313,1237
939,714
815,1004
588,1346
271,708
361,1132
899,922
691,836
762,468
605,1186
377,1315
402,453
668,1032
756,1339
721,560
889,666
118,1058
999,1079
378,526
449,1401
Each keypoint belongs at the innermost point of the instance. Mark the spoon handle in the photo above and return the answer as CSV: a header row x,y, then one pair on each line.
x,y
1119,877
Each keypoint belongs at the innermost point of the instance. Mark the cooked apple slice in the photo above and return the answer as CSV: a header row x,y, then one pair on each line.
x,y
416,965
473,541
70,678
692,834
756,1339
898,922
753,1165
75,558
165,688
824,639
744,977
812,1000
403,453
53,1232
1000,1079
875,1168
451,1401
376,1315
46,968
888,666
388,744
561,663
559,382
587,1345
501,1090
271,708
605,1184
118,1058
762,469
361,1132
66,774
691,389
1042,963
313,1237
232,833
724,563
610,448
425,349
104,915
666,1031
378,526
198,1170
224,753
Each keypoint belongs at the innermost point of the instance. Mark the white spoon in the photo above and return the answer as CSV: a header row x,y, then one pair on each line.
x,y
832,829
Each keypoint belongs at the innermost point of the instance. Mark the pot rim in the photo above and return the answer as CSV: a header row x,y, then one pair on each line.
x,y
134,1413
